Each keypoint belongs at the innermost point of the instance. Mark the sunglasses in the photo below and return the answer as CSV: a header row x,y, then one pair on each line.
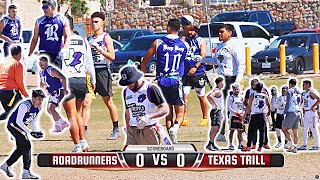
x,y
45,7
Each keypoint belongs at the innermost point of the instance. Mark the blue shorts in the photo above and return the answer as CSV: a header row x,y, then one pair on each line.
x,y
173,94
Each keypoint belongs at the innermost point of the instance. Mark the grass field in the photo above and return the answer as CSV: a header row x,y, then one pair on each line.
x,y
297,166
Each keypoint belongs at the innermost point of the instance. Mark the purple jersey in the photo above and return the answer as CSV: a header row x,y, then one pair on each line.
x,y
50,32
50,82
32,112
171,53
194,50
12,28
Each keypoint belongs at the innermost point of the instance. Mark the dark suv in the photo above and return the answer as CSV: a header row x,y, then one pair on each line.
x,y
125,35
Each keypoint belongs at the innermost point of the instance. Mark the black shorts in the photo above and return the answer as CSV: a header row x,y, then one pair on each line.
x,y
194,81
56,97
173,94
104,82
236,123
78,89
279,119
216,117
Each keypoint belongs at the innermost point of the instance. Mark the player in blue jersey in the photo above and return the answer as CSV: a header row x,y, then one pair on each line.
x,y
56,85
49,29
26,112
194,71
170,52
10,28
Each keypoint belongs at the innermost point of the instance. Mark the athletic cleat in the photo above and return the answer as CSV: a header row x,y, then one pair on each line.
x,y
57,128
293,150
231,147
211,147
64,125
85,147
303,147
246,149
244,136
286,146
185,123
266,146
278,145
314,148
61,127
259,149
7,170
240,146
221,137
77,149
253,146
173,133
28,175
114,135
204,122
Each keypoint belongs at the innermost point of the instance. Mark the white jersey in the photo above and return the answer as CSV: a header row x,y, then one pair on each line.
x,y
258,103
235,105
218,98
295,100
273,102
280,104
99,60
308,102
139,104
79,62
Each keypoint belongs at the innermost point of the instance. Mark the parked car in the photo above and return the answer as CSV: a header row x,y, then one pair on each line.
x,y
245,33
316,30
135,50
262,18
125,35
117,45
30,62
298,54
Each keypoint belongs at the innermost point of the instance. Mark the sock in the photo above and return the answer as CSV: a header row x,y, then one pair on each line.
x,y
57,123
286,141
25,170
61,120
292,144
176,126
115,126
83,141
230,143
211,143
279,139
85,128
77,145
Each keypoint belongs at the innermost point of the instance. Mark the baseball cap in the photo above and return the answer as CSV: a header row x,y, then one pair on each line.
x,y
129,75
50,2
186,20
38,93
236,86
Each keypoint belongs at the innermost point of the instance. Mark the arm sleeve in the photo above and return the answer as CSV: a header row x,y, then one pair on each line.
x,y
36,123
19,79
247,94
229,104
124,98
288,102
22,110
89,63
240,59
155,95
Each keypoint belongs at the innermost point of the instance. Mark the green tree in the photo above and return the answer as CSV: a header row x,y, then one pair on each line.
x,y
78,7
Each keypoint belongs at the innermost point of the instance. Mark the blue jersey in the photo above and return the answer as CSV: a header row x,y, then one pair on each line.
x,y
50,82
194,50
28,117
171,53
12,28
50,33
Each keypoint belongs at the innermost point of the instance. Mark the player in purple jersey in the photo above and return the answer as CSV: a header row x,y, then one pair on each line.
x,y
56,85
49,29
26,112
194,71
10,28
170,52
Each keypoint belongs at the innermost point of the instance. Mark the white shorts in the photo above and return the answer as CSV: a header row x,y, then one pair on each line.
x,y
200,91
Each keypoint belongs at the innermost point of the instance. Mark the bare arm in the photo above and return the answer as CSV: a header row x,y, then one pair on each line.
x,y
248,108
127,117
3,36
210,97
109,53
315,105
66,34
152,51
268,105
162,110
34,40
58,75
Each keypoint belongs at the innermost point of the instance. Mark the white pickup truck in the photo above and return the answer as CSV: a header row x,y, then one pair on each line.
x,y
246,33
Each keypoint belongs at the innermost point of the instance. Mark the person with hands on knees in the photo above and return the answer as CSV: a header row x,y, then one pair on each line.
x,y
27,112
144,105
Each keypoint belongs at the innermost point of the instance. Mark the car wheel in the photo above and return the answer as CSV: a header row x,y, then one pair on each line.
x,y
300,67
152,67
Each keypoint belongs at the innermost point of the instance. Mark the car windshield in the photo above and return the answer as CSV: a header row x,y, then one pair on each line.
x,y
26,36
239,16
214,30
289,42
138,45
121,36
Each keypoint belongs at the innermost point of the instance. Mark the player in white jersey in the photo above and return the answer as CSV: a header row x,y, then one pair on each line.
x,y
144,105
273,108
236,108
76,66
279,105
310,103
215,98
259,106
292,114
